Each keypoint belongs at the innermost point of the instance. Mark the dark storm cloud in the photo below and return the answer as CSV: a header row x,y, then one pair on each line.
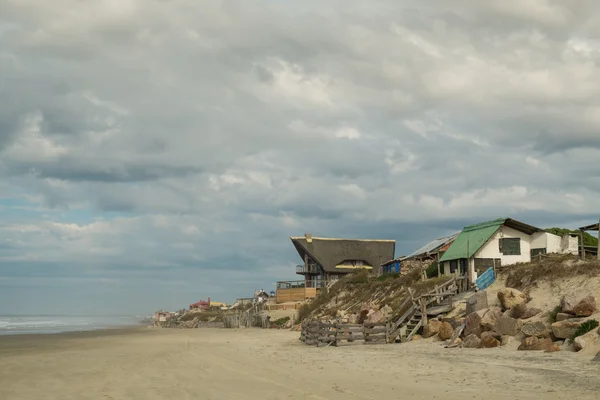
x,y
216,130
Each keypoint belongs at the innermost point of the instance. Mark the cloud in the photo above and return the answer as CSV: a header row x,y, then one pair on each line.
x,y
151,143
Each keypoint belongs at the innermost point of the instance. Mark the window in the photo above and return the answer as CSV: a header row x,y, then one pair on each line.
x,y
453,266
510,246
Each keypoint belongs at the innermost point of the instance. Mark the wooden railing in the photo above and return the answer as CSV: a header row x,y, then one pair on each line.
x,y
322,334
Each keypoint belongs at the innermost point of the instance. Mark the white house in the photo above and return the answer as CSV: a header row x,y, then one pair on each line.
x,y
500,242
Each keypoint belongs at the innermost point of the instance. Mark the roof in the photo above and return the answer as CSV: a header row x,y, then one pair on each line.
x,y
330,252
432,247
200,303
593,227
473,237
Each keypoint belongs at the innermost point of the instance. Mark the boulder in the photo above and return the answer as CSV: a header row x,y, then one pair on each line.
x,y
578,343
586,307
491,334
571,300
445,331
490,319
506,340
455,323
597,357
562,316
432,328
533,343
376,317
537,329
507,326
477,302
565,329
387,311
416,337
472,342
510,298
523,312
555,347
472,325
489,342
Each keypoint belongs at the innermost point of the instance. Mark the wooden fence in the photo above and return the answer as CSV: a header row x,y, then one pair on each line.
x,y
321,334
246,319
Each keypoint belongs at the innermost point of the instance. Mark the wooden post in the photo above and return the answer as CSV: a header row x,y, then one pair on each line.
x,y
598,249
423,311
581,236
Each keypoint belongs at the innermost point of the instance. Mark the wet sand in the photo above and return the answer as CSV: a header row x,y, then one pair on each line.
x,y
145,363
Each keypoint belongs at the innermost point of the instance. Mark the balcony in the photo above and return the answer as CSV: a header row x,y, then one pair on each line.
x,y
307,270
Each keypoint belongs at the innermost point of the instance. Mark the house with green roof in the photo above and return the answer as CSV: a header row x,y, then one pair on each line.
x,y
500,242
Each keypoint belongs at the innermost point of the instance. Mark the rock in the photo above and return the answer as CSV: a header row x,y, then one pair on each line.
x,y
555,347
506,340
521,311
489,342
491,334
452,321
477,302
565,329
490,319
472,325
387,311
510,298
416,337
507,326
472,342
432,328
537,329
586,307
597,358
455,343
571,300
376,317
445,331
563,316
517,311
578,344
533,343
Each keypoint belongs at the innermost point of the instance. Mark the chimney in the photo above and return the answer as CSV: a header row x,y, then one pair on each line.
x,y
308,237
209,301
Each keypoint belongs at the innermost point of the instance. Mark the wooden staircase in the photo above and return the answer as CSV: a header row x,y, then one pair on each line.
x,y
415,316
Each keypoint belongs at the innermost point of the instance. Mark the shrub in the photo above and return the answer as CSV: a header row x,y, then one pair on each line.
x,y
585,328
432,270
281,321
388,275
303,312
552,315
360,277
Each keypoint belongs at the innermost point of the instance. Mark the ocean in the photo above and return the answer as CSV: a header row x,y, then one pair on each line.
x,y
34,324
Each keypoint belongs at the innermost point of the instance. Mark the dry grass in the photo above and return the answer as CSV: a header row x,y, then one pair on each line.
x,y
551,269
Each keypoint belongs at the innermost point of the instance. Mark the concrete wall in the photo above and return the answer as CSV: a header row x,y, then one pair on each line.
x,y
492,248
569,245
554,243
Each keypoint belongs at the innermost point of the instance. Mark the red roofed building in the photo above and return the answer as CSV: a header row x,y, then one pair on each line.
x,y
202,305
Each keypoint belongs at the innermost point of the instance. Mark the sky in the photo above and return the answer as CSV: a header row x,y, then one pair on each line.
x,y
155,153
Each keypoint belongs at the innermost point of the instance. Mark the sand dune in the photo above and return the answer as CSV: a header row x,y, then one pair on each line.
x,y
261,364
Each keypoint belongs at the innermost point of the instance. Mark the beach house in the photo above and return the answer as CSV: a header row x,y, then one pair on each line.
x,y
497,243
325,260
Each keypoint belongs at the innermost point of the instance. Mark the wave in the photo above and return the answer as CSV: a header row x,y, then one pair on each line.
x,y
56,324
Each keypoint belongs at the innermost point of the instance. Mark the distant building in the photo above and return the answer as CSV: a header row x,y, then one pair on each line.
x,y
499,242
328,259
420,258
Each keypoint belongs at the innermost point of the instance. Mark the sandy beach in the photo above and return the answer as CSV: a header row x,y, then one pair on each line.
x,y
148,364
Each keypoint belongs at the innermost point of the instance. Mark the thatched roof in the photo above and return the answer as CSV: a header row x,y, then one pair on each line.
x,y
330,252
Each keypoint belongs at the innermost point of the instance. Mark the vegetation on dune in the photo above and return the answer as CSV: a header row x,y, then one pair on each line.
x,y
550,269
352,291
585,328
588,240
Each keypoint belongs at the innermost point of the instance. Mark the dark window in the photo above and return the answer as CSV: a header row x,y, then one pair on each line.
x,y
510,246
453,266
483,264
463,267
535,252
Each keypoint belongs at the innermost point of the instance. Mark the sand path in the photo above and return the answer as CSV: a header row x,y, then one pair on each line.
x,y
261,364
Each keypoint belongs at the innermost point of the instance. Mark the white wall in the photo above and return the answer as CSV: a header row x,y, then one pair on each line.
x,y
492,248
554,243
569,245
539,240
